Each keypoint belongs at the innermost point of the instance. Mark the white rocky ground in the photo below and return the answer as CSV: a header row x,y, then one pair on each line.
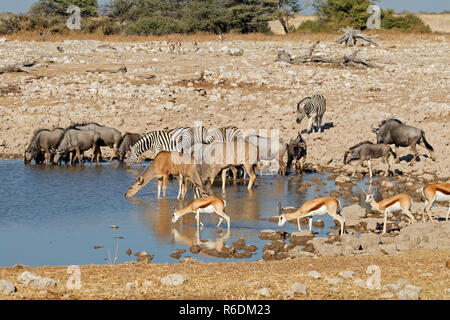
x,y
245,88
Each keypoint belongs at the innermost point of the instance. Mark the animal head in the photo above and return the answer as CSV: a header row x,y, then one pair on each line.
x,y
29,155
136,187
281,215
369,197
175,215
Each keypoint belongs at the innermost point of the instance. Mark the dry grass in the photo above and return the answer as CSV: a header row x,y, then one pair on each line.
x,y
240,280
205,37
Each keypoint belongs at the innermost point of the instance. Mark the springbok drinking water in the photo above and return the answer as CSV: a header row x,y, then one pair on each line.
x,y
204,205
432,192
311,208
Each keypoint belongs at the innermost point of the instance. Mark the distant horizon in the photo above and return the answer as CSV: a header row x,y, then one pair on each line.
x,y
415,6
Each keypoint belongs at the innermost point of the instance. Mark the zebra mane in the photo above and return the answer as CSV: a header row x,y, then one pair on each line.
x,y
360,144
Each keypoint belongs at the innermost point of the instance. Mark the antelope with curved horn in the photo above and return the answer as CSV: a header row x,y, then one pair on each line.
x,y
439,192
311,208
204,205
400,202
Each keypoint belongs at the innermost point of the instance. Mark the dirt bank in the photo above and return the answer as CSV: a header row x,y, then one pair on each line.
x,y
244,280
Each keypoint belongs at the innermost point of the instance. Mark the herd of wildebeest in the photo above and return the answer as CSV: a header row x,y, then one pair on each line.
x,y
197,155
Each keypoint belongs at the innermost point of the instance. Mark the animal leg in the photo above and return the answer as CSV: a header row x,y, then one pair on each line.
x,y
385,221
414,150
234,171
251,173
159,188
165,178
397,160
411,217
370,169
448,212
320,123
310,223
298,224
310,124
427,209
224,178
222,216
180,186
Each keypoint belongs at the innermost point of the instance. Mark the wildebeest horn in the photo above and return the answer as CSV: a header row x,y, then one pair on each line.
x,y
373,128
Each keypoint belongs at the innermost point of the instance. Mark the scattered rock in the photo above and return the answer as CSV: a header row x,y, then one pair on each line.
x,y
239,244
7,287
299,288
334,281
301,237
129,286
265,292
174,279
314,274
31,280
346,274
143,257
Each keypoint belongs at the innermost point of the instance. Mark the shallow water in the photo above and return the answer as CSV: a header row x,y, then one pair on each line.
x,y
55,215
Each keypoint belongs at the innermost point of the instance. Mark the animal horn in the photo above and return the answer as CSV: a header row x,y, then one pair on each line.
x,y
280,208
373,128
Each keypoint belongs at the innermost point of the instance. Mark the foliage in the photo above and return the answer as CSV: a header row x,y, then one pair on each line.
x,y
408,22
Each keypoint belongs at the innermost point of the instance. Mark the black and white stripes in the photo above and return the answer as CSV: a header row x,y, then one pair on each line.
x,y
313,108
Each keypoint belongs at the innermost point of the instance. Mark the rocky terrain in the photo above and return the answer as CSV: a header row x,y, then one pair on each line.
x,y
237,83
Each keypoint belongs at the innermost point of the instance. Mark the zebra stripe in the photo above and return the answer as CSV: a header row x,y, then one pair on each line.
x,y
313,108
186,137
155,141
224,134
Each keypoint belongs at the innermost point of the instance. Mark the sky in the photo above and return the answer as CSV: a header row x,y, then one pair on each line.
x,y
20,6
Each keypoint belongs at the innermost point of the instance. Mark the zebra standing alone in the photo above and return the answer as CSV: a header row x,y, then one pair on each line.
x,y
313,108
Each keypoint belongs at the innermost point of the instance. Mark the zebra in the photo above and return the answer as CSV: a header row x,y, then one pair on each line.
x,y
313,108
224,134
156,141
186,137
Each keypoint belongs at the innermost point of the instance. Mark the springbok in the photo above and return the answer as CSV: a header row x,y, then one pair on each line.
x,y
311,208
204,205
400,202
432,192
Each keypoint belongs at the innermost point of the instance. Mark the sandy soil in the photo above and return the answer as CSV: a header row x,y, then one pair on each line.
x,y
242,280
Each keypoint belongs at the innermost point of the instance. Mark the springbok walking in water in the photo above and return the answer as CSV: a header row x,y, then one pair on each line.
x,y
439,192
311,208
204,205
400,202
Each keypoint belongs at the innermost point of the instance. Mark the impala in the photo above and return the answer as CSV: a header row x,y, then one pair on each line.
x,y
432,192
311,208
204,205
400,202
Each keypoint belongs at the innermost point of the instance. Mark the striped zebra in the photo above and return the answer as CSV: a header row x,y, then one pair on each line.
x,y
224,134
186,137
155,141
313,108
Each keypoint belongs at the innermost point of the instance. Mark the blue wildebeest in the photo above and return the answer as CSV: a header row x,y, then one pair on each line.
x,y
393,131
366,150
109,137
296,153
78,141
128,140
43,141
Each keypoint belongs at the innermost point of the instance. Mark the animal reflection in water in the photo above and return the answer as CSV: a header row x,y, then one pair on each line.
x,y
191,236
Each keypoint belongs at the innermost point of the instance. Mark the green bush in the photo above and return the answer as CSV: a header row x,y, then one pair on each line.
x,y
154,26
408,22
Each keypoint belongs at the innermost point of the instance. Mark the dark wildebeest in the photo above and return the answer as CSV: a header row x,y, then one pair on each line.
x,y
43,141
128,140
393,131
297,153
78,141
109,137
367,150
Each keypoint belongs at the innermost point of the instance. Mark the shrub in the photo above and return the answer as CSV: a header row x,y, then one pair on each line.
x,y
408,22
154,26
